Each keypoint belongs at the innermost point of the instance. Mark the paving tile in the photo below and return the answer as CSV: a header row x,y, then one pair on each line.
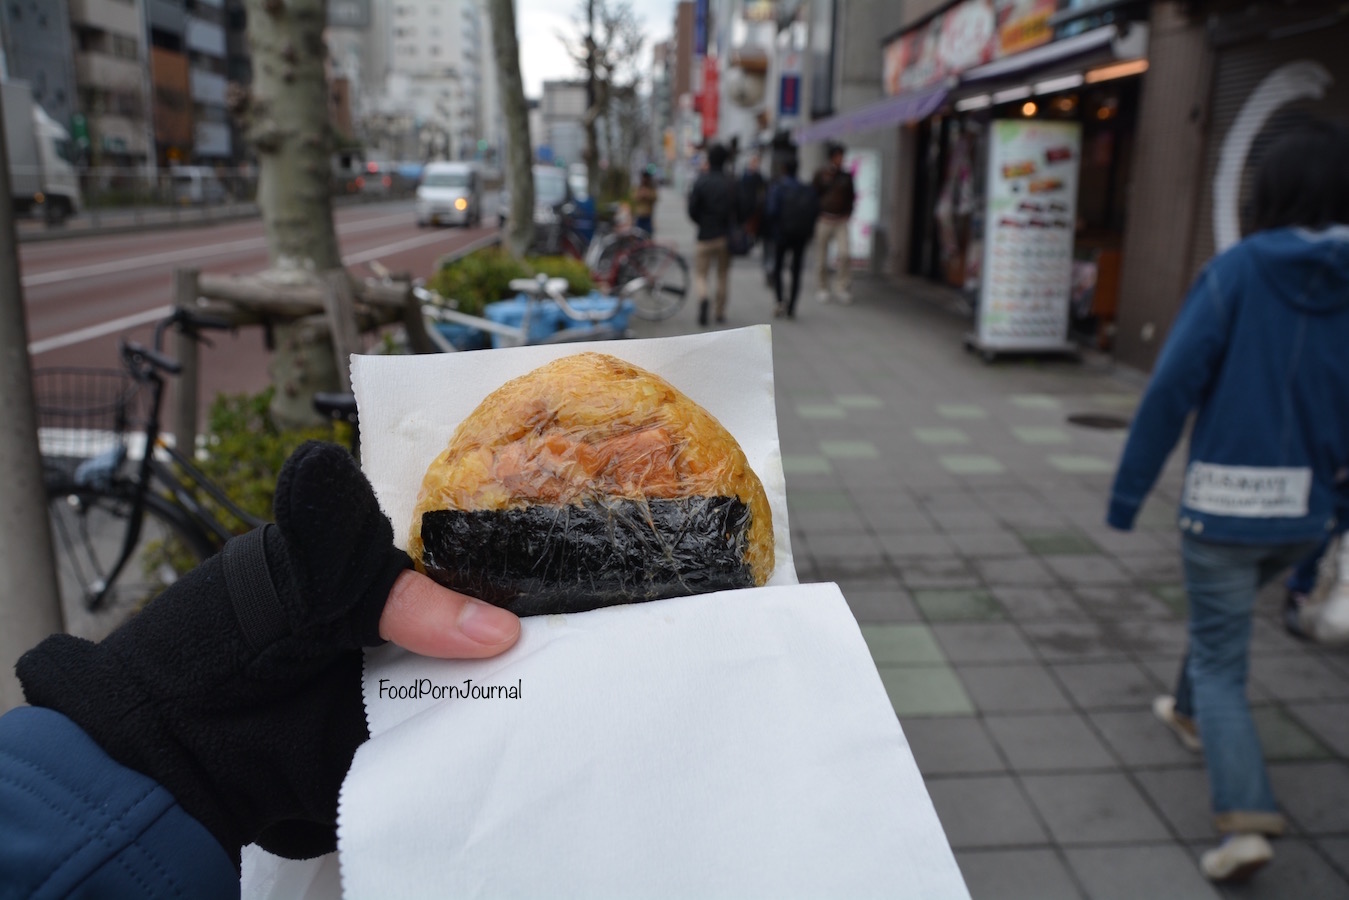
x,y
1130,873
1151,568
902,645
880,605
1058,543
942,572
961,411
1283,737
1048,742
1086,569
1140,740
1182,797
1080,464
817,411
1108,685
838,501
1035,401
1149,637
915,544
952,745
793,464
1041,519
984,811
1173,595
925,691
1093,808
1116,401
845,568
1015,688
971,464
1025,570
1070,641
859,401
1298,871
941,436
1338,851
957,604
849,450
1032,603
1027,434
1298,678
1032,874
1314,794
952,520
1120,602
985,543
1269,638
982,642
899,521
1328,721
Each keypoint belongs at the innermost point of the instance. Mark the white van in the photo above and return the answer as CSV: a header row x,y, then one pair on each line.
x,y
196,186
450,193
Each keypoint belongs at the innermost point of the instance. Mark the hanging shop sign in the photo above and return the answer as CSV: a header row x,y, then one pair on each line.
x,y
969,34
789,96
1028,234
865,166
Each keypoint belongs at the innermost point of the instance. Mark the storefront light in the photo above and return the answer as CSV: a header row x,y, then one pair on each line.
x,y
1029,108
1054,85
1117,70
1012,94
978,101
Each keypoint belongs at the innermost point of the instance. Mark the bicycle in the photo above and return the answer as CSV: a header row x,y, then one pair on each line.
x,y
120,508
617,257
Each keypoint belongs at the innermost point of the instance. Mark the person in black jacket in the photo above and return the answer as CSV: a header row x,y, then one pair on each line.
x,y
792,210
712,207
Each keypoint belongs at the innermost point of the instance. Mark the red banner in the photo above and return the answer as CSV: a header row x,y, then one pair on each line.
x,y
711,94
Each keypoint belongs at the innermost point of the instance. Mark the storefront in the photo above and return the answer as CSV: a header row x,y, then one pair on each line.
x,y
1020,178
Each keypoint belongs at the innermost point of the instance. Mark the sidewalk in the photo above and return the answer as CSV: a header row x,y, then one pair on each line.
x,y
1021,641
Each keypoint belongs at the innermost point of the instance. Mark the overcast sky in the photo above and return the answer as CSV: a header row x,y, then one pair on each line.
x,y
541,54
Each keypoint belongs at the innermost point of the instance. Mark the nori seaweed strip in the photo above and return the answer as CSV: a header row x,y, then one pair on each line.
x,y
548,559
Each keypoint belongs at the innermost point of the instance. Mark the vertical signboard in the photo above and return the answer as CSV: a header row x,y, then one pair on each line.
x,y
789,96
1028,234
700,13
711,97
865,166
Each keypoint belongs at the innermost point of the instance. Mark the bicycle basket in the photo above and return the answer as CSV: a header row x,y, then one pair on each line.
x,y
82,412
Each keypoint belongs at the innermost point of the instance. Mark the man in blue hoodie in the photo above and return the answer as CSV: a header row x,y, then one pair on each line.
x,y
1258,352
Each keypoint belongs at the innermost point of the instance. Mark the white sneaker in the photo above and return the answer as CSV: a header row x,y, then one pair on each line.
x,y
822,296
1184,728
1236,858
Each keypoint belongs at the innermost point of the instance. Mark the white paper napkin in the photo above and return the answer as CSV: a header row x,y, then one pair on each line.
x,y
727,745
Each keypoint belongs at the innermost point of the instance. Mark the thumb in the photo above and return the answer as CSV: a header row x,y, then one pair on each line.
x,y
431,620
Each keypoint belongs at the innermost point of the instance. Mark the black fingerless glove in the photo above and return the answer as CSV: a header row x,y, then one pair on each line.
x,y
239,688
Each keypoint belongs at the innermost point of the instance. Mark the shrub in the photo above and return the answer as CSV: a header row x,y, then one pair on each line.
x,y
484,277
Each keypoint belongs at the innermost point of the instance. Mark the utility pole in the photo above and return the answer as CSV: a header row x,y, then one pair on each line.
x,y
30,604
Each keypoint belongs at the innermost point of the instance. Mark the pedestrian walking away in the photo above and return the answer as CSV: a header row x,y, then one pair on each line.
x,y
838,196
712,207
644,204
791,210
1257,352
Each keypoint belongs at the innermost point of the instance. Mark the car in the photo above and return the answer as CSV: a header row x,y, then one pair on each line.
x,y
450,193
377,179
196,186
554,206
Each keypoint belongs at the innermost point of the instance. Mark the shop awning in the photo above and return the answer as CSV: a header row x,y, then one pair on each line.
x,y
1050,54
896,110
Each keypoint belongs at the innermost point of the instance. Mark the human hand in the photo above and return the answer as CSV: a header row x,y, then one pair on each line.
x,y
239,688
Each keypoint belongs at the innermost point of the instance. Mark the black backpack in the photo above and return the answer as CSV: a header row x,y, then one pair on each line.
x,y
798,208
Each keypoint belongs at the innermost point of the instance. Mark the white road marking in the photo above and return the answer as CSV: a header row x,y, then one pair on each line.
x,y
184,254
396,247
99,330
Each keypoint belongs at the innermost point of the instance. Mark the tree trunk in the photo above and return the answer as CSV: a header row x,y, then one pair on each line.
x,y
519,173
285,114
287,120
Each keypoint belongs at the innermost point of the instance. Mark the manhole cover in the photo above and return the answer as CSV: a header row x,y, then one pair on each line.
x,y
1098,420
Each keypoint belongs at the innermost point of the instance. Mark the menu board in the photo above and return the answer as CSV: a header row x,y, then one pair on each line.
x,y
1028,234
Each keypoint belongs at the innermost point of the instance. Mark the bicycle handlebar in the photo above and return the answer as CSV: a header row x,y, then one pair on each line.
x,y
189,323
136,354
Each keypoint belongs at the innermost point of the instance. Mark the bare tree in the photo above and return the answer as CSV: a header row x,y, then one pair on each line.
x,y
607,50
519,173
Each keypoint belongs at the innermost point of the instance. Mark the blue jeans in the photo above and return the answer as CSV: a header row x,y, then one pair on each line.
x,y
1303,578
1221,581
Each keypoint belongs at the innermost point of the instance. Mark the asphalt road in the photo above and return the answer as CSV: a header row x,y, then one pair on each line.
x,y
84,294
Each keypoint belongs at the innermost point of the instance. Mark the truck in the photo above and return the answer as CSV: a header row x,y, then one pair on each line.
x,y
41,178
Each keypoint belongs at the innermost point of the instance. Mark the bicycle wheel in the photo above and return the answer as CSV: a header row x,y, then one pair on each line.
x,y
666,277
88,528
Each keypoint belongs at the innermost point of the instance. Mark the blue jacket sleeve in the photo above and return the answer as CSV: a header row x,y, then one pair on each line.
x,y
1186,368
74,822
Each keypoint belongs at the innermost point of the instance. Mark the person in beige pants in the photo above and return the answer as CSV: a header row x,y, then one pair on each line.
x,y
713,207
838,196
